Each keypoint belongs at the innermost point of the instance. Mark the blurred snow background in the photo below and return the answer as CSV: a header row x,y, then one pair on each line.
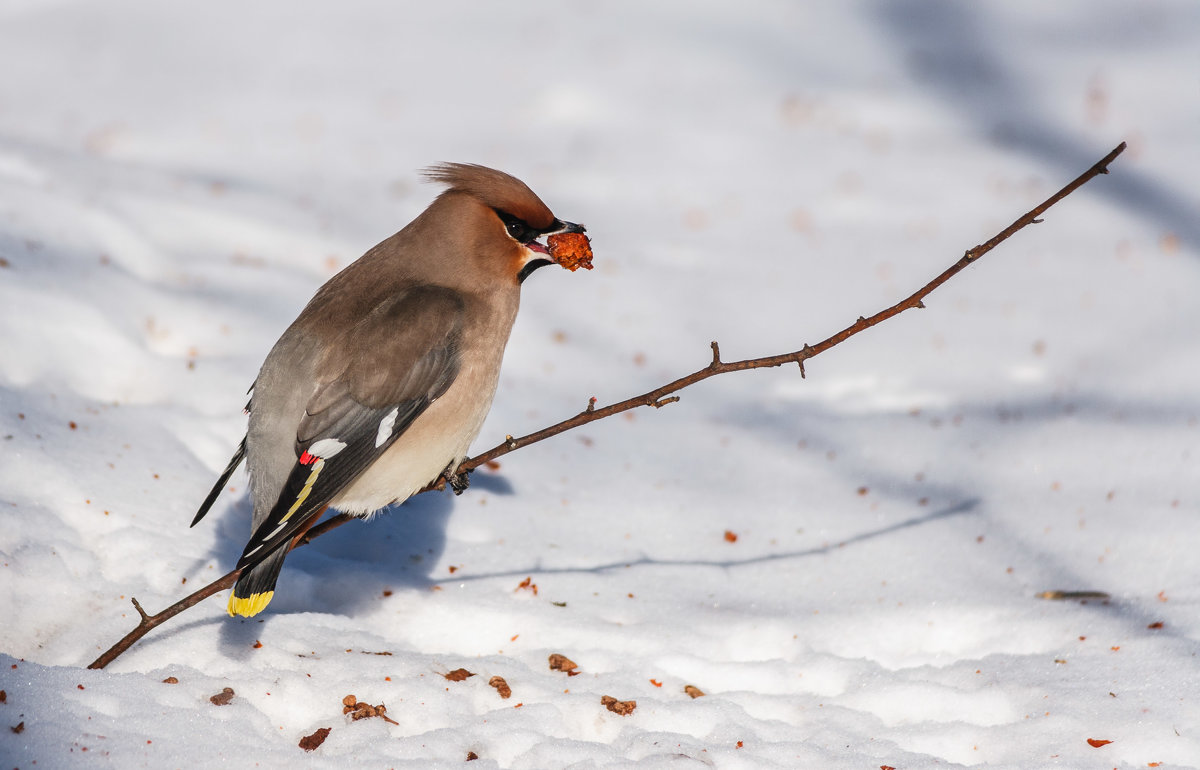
x,y
177,179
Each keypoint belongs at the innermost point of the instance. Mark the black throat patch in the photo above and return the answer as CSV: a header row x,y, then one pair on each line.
x,y
530,267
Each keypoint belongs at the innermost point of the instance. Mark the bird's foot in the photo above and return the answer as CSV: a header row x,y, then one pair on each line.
x,y
457,481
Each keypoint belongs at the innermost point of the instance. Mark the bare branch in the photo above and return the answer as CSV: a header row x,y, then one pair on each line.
x,y
657,398
149,622
138,607
915,300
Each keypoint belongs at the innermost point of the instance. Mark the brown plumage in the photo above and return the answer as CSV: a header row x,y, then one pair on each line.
x,y
385,378
495,189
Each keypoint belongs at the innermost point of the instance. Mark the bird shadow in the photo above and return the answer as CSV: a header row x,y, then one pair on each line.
x,y
347,569
404,535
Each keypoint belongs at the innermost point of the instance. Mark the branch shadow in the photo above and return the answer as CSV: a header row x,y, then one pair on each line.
x,y
822,426
949,48
960,509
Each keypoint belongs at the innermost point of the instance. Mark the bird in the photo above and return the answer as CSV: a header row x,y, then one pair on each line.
x,y
383,381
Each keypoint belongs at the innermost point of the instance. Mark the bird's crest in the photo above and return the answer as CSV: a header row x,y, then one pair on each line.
x,y
496,189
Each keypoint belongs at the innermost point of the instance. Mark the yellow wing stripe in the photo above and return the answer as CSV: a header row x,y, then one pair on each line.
x,y
308,485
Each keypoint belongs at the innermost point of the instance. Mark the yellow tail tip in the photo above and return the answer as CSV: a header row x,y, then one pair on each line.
x,y
249,606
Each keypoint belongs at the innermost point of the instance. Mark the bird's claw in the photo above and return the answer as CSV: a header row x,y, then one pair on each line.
x,y
457,481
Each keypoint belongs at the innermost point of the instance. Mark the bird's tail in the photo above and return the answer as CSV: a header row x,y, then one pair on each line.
x,y
255,587
238,456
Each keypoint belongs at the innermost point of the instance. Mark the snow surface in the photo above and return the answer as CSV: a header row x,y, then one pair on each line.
x,y
177,179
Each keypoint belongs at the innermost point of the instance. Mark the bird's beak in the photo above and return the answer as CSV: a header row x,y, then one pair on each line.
x,y
565,227
541,253
557,227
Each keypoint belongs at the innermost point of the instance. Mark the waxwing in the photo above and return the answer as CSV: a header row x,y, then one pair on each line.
x,y
385,378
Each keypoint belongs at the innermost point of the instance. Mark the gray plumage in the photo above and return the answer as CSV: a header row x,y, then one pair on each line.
x,y
385,378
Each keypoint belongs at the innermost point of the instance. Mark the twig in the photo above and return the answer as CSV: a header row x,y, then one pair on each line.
x,y
149,622
657,398
914,300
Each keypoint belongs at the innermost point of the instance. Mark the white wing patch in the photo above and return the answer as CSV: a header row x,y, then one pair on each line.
x,y
385,427
326,448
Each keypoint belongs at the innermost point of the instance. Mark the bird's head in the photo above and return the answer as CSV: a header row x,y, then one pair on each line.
x,y
502,218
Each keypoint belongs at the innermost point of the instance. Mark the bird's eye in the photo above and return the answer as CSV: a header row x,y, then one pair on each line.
x,y
517,230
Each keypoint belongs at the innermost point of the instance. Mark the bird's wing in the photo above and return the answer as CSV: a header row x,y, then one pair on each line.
x,y
377,377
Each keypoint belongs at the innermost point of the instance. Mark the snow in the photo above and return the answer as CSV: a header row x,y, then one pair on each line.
x,y
174,186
